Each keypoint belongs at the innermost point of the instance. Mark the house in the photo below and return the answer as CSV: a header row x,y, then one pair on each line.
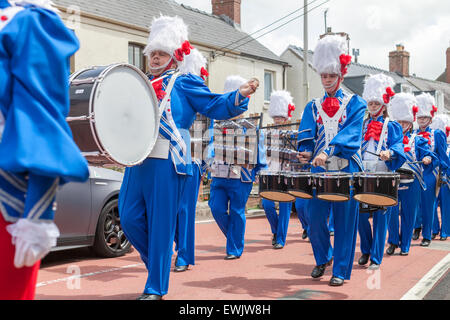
x,y
357,73
404,82
114,31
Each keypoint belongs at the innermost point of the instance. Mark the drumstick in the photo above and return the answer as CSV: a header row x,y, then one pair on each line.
x,y
413,162
373,153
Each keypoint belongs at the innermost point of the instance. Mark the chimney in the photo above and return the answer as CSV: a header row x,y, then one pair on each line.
x,y
447,70
399,61
229,8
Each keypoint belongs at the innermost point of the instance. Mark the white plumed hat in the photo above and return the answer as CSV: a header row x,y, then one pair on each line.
x,y
330,55
403,107
166,34
378,88
170,34
441,122
232,83
426,105
281,104
46,4
194,63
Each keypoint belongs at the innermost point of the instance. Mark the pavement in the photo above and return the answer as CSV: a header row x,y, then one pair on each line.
x,y
262,273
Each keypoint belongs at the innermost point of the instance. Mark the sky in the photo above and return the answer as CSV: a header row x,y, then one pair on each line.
x,y
374,27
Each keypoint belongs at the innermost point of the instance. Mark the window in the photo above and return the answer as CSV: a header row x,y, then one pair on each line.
x,y
268,85
136,56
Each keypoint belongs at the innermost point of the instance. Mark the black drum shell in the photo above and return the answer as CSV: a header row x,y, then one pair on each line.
x,y
80,99
301,186
334,188
380,190
274,187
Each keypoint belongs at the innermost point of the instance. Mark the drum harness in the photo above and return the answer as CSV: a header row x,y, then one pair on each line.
x,y
331,127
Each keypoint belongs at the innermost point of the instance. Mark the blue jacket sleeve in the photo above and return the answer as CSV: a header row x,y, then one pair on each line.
x,y
347,142
307,130
440,140
212,105
395,145
37,139
422,151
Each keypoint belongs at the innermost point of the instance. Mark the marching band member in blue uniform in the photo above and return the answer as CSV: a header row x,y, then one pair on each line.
x,y
382,137
442,122
185,229
330,136
402,109
230,188
437,142
151,192
280,110
37,152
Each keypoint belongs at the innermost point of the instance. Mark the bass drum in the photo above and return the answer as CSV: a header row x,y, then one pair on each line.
x,y
114,114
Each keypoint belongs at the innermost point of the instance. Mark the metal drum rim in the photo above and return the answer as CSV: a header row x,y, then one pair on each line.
x,y
95,87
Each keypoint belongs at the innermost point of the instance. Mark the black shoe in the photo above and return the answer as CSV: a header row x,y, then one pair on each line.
x,y
318,271
433,236
364,259
390,250
274,239
304,234
373,266
278,246
443,238
231,257
146,296
402,253
336,282
180,268
416,233
425,243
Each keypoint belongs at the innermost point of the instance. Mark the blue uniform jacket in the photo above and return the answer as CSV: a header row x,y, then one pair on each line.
x,y
37,152
189,96
347,141
393,143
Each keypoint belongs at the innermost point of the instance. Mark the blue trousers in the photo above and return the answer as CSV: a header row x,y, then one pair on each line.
x,y
149,201
185,230
373,242
301,206
278,223
406,209
227,201
345,216
427,206
444,203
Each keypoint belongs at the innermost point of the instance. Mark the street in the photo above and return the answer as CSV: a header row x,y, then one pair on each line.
x,y
262,273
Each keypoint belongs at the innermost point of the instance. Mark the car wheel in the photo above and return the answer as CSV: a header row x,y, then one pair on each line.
x,y
110,240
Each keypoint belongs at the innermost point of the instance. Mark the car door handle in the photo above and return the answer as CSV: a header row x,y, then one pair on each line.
x,y
101,183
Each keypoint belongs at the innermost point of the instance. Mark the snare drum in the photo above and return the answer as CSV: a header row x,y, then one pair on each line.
x,y
273,186
300,184
376,188
406,175
114,114
333,186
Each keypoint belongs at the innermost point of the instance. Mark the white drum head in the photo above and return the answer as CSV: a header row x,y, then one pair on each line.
x,y
126,115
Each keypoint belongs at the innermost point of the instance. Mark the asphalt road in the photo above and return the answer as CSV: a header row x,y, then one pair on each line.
x,y
262,273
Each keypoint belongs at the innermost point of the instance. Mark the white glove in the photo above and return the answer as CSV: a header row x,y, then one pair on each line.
x,y
33,240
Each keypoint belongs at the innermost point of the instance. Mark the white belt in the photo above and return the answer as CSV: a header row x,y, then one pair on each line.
x,y
336,164
161,149
375,166
226,171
